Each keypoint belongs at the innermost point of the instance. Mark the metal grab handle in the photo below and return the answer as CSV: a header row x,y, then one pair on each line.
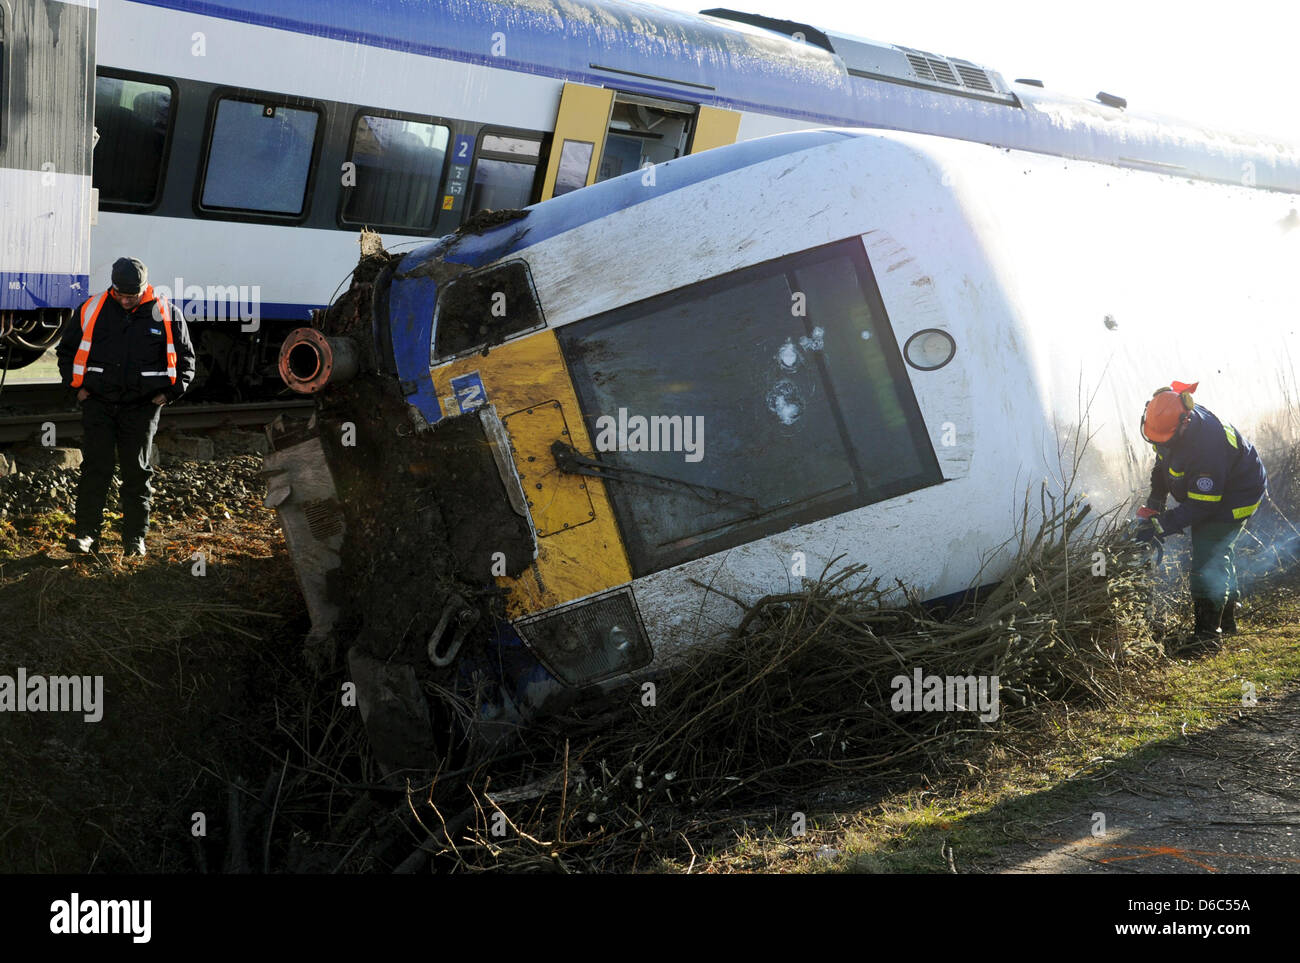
x,y
465,618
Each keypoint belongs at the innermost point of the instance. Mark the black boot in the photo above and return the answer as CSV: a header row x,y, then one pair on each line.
x,y
1228,624
1206,622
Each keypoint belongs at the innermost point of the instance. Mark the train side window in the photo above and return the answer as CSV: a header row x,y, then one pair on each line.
x,y
760,426
133,118
484,308
575,161
398,169
259,157
504,172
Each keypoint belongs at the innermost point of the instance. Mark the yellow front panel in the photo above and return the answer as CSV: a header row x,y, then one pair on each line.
x,y
529,384
557,500
583,116
714,127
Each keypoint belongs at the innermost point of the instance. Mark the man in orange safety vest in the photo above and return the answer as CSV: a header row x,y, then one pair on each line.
x,y
128,353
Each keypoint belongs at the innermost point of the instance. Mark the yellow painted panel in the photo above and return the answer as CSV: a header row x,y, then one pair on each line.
x,y
583,116
584,558
556,500
714,127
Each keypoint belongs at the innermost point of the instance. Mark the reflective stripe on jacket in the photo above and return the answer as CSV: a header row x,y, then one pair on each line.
x,y
90,314
1211,470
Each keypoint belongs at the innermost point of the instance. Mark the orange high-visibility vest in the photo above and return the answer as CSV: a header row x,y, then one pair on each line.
x,y
90,314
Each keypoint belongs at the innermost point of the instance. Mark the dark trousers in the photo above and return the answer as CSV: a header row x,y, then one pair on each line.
x,y
1214,567
116,432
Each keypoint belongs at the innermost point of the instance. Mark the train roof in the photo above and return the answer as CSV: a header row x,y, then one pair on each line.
x,y
752,63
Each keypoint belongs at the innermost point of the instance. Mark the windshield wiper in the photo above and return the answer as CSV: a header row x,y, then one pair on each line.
x,y
571,462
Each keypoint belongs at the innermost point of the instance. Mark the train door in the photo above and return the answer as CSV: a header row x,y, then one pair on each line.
x,y
602,133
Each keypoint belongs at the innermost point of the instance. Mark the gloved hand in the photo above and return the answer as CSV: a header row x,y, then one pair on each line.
x,y
1144,512
1147,532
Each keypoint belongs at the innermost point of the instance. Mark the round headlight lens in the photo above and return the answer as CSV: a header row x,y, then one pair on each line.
x,y
930,349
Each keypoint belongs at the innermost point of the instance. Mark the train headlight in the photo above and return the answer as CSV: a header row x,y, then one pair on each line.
x,y
930,349
589,641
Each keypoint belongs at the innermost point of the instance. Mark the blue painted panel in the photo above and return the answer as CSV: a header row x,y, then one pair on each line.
x,y
23,291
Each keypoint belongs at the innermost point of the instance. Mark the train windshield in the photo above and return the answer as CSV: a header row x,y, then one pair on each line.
x,y
780,385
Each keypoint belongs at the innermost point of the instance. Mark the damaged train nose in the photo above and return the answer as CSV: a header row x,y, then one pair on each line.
x,y
399,528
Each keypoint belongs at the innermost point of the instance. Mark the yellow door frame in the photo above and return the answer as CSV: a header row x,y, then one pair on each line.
x,y
582,120
714,127
582,125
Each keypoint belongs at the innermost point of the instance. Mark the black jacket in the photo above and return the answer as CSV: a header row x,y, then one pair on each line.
x,y
128,353
1213,473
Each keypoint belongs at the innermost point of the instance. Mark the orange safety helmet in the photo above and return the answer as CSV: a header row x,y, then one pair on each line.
x,y
1167,412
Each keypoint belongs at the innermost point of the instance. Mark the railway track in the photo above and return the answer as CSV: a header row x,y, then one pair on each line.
x,y
26,409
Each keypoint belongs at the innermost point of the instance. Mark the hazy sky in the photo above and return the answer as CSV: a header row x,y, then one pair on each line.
x,y
1230,64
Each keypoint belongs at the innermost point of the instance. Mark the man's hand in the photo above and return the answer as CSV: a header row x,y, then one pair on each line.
x,y
83,394
1145,512
160,399
1146,531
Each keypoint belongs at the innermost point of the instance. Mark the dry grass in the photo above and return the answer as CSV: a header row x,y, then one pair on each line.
x,y
797,704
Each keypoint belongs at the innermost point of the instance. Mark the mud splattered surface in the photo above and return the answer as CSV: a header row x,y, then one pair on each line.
x,y
425,508
481,310
484,220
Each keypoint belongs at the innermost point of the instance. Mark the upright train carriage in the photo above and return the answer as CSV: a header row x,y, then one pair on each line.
x,y
46,202
243,143
690,388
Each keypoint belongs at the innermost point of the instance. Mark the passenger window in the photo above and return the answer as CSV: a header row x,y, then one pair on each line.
x,y
259,158
484,308
133,118
772,396
398,169
575,161
504,172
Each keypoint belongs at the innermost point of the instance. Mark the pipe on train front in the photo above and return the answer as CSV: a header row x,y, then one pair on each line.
x,y
309,360
400,517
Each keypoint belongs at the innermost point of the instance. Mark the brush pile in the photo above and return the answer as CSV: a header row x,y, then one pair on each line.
x,y
800,702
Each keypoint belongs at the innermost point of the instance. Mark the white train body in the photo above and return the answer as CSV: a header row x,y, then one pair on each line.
x,y
1070,289
492,78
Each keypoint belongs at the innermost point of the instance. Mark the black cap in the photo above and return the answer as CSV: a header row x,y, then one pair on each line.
x,y
129,275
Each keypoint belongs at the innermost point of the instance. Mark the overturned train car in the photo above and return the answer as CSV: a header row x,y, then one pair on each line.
x,y
553,449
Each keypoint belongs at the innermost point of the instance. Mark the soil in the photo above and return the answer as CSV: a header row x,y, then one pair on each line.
x,y
466,317
425,508
485,220
1224,800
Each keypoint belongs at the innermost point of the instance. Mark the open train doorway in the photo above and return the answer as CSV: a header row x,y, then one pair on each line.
x,y
602,133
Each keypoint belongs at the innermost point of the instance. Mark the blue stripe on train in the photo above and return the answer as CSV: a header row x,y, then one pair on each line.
x,y
716,64
27,290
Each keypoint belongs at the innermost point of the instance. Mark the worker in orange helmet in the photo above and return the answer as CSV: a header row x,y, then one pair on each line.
x,y
1218,480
